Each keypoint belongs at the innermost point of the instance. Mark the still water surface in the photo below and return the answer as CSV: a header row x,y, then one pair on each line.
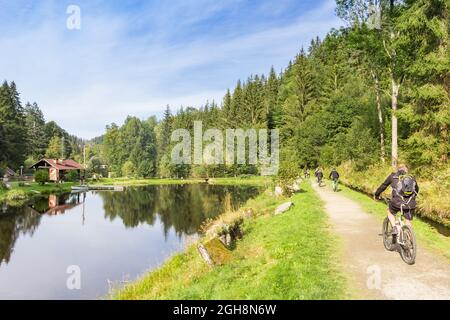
x,y
111,236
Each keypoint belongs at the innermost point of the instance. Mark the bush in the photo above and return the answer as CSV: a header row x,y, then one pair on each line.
x,y
72,176
129,169
41,176
15,195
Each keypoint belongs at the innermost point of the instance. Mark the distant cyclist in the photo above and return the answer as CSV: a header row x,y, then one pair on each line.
x,y
319,175
404,192
334,176
306,173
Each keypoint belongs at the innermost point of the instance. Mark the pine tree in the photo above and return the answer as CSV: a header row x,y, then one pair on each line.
x,y
35,124
298,91
270,98
425,27
13,126
54,149
254,112
236,107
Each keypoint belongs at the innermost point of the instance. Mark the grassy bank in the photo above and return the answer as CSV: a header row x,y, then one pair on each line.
x,y
34,189
426,234
289,256
433,200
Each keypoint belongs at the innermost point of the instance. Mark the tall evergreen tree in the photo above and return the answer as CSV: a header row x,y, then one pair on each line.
x,y
12,121
36,136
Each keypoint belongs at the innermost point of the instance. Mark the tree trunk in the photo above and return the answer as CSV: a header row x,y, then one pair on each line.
x,y
380,117
394,100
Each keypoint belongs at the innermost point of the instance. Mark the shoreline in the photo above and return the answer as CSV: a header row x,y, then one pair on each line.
x,y
35,189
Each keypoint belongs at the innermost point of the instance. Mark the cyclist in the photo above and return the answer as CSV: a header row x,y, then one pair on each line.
x,y
334,175
404,192
319,175
306,173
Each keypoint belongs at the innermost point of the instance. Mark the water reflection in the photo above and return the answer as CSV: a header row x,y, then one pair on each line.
x,y
108,234
181,207
57,204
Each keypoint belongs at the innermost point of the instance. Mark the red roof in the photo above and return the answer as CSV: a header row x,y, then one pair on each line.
x,y
63,164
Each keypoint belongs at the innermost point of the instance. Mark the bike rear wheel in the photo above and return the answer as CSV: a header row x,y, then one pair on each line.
x,y
408,249
388,237
335,186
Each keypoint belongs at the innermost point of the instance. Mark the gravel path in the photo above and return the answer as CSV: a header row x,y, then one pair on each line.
x,y
374,272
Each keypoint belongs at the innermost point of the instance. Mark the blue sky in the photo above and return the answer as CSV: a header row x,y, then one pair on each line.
x,y
135,57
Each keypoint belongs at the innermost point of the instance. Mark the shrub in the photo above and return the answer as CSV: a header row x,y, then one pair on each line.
x,y
129,169
15,195
72,176
41,176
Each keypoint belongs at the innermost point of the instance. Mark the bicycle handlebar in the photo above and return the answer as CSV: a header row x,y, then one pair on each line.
x,y
385,199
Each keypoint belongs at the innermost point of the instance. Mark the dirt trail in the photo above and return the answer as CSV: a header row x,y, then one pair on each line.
x,y
374,272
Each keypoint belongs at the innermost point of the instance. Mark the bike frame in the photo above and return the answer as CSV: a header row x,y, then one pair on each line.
x,y
400,221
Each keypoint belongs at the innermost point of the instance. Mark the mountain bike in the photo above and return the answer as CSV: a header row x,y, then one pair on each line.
x,y
319,181
405,239
335,185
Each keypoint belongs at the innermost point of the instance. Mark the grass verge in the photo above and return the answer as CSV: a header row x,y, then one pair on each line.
x,y
35,189
288,256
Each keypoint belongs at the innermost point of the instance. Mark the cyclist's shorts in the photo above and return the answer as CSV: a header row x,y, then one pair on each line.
x,y
407,213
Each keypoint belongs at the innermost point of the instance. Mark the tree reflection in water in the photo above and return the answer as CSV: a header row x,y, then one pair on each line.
x,y
181,207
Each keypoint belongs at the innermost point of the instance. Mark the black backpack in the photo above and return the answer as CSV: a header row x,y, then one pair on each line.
x,y
406,186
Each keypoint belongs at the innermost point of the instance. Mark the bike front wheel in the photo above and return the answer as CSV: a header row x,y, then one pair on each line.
x,y
388,237
408,248
335,186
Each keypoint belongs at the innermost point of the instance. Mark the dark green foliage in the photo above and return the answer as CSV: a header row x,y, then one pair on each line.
x,y
72,176
41,176
131,147
13,143
36,135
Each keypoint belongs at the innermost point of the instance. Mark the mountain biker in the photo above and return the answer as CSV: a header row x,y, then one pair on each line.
x,y
319,175
334,175
306,173
401,199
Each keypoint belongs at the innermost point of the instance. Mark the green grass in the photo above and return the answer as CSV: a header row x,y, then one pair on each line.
x,y
35,188
289,256
426,234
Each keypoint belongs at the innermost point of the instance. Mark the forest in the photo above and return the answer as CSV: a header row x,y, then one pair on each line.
x,y
363,99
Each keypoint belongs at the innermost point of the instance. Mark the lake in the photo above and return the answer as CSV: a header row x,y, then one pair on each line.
x,y
105,237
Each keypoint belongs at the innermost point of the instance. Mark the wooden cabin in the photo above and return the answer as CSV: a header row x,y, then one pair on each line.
x,y
58,168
